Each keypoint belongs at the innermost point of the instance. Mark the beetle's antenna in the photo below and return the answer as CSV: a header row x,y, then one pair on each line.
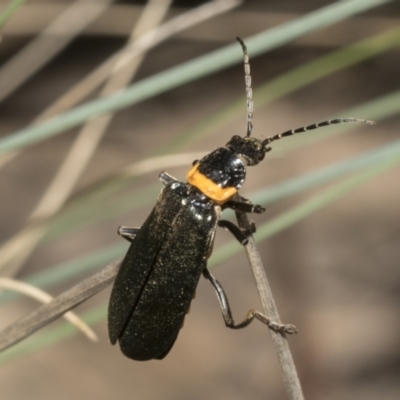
x,y
316,126
249,90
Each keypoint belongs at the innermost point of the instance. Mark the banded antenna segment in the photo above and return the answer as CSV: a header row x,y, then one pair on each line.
x,y
316,126
249,90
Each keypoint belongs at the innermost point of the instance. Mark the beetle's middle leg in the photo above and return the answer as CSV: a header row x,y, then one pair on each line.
x,y
227,314
128,233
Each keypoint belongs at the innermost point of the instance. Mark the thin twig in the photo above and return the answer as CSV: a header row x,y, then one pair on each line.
x,y
281,345
66,301
44,297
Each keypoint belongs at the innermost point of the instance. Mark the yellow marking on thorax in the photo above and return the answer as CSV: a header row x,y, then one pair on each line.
x,y
208,187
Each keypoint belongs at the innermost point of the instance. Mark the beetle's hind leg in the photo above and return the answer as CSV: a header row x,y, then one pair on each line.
x,y
227,314
128,233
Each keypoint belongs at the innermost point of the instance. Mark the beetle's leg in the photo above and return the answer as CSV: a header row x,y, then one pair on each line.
x,y
244,206
128,233
166,178
227,314
252,227
239,235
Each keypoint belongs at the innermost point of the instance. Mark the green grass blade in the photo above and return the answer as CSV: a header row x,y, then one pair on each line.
x,y
381,108
297,213
306,208
51,335
291,81
268,195
377,109
9,11
188,71
71,269
87,213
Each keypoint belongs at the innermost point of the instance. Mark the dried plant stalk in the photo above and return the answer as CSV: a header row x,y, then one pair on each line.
x,y
281,345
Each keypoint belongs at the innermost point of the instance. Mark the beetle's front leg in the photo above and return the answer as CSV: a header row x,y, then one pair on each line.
x,y
244,206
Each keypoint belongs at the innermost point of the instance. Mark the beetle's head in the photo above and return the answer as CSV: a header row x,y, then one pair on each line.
x,y
251,150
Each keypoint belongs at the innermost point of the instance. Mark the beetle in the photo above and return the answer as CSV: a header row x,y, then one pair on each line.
x,y
161,270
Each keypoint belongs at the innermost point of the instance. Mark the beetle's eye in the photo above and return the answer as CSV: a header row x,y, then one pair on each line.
x,y
234,139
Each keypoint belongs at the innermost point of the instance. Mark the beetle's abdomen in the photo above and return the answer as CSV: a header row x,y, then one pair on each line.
x,y
218,175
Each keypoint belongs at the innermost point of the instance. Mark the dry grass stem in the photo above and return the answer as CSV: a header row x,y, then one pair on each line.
x,y
43,297
48,44
155,163
281,345
11,258
47,313
146,42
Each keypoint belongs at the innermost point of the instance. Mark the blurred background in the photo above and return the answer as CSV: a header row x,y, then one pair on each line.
x,y
329,238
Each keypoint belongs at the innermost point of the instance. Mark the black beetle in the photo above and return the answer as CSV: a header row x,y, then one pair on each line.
x,y
159,275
